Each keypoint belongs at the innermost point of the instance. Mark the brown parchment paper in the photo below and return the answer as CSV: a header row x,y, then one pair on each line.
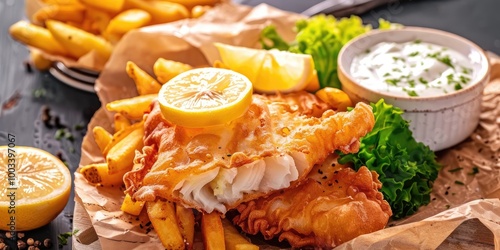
x,y
190,41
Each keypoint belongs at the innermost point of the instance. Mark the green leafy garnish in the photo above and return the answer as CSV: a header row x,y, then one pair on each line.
x,y
63,238
322,37
406,168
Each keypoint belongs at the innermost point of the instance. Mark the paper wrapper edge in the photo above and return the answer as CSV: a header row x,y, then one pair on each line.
x,y
190,42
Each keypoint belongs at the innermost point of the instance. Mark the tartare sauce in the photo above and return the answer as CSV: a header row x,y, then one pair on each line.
x,y
412,68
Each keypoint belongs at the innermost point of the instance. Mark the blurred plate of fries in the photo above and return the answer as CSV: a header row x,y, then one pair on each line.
x,y
83,33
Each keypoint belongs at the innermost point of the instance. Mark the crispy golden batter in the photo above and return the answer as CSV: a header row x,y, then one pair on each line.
x,y
335,204
272,146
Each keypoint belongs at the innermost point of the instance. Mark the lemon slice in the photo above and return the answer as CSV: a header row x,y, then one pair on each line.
x,y
35,187
269,70
205,97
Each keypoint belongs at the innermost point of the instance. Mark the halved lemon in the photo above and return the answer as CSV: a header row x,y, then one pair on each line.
x,y
269,70
34,187
205,97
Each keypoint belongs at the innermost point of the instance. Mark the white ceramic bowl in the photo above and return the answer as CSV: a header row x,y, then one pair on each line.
x,y
439,122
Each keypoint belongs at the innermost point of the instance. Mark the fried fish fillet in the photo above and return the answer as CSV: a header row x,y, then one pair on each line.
x,y
273,145
334,204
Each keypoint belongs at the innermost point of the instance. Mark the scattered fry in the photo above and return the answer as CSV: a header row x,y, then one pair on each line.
x,y
193,3
119,135
132,207
336,98
77,41
121,122
132,108
199,10
234,240
37,37
144,83
166,69
64,13
39,61
121,156
162,216
98,174
102,138
112,6
213,232
185,218
160,11
128,20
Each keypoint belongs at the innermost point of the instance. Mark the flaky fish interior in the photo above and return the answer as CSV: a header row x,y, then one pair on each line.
x,y
272,146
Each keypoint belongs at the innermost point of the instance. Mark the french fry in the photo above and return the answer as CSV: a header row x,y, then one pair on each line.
x,y
161,12
39,61
165,70
96,21
132,207
144,83
98,174
120,135
61,2
199,10
128,20
132,108
63,13
185,217
102,138
121,122
192,3
121,155
234,240
78,42
336,98
112,6
37,37
213,232
162,216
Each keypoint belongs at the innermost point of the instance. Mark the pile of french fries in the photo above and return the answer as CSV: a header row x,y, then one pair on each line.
x,y
174,224
73,28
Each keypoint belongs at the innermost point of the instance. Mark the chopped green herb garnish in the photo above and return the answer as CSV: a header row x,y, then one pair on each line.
x,y
392,81
464,79
446,60
387,74
417,41
466,70
396,70
458,86
411,83
422,80
414,54
411,92
60,134
455,170
78,127
63,238
459,183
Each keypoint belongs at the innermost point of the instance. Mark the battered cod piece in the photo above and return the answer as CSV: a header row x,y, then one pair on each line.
x,y
334,204
274,145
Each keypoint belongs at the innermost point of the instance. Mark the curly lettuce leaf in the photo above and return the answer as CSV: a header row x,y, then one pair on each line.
x,y
406,168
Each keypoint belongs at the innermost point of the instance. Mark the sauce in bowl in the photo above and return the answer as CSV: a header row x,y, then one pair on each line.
x,y
415,68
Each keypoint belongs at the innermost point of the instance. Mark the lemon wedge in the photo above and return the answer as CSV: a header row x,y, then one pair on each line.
x,y
205,97
35,187
269,70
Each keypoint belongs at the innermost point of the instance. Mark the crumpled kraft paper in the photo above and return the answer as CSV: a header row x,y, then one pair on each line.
x,y
190,42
